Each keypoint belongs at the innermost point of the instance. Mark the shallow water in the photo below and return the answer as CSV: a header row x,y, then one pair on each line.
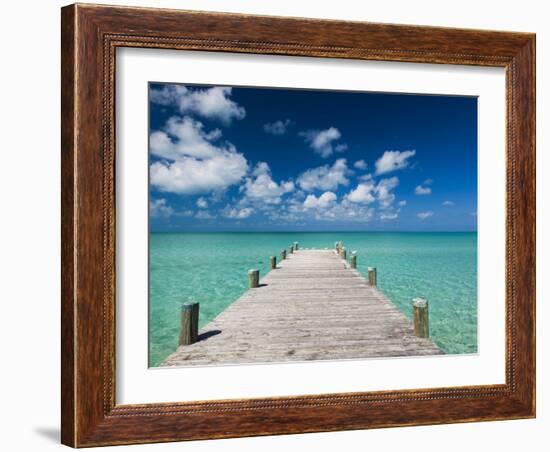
x,y
212,269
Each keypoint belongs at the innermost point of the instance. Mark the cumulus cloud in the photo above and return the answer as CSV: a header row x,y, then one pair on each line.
x,y
202,203
159,208
323,208
360,164
190,176
236,213
185,137
368,192
425,215
211,103
323,141
322,202
402,203
420,190
192,159
261,187
448,204
325,177
383,190
279,127
393,160
363,194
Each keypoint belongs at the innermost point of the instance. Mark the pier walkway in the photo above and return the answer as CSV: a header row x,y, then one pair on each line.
x,y
313,306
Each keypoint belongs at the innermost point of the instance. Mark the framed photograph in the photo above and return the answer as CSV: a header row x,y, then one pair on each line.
x,y
281,225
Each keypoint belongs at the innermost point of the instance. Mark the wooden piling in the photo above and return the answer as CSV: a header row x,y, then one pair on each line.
x,y
372,276
189,323
272,262
283,255
343,253
421,317
291,249
295,246
253,278
353,261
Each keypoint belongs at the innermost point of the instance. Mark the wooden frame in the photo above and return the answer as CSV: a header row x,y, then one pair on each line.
x,y
90,35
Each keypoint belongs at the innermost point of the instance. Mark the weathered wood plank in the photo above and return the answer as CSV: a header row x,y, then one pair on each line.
x,y
312,306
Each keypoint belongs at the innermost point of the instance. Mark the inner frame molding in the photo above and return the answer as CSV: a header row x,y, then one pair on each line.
x,y
90,36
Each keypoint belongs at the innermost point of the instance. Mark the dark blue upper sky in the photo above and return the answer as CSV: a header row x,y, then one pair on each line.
x,y
281,159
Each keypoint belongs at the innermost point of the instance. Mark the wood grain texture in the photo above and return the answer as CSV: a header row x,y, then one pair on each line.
x,y
90,36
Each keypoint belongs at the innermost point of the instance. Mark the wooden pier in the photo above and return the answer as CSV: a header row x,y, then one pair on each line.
x,y
312,306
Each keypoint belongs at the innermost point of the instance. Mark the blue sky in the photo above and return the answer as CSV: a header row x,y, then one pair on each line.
x,y
255,159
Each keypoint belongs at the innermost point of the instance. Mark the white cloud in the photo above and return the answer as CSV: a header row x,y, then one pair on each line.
x,y
322,202
392,161
279,127
202,203
211,103
368,192
261,187
428,182
383,190
168,94
322,141
325,177
191,176
193,162
185,137
323,208
237,214
384,216
448,204
261,168
402,203
360,164
420,190
363,194
425,215
159,208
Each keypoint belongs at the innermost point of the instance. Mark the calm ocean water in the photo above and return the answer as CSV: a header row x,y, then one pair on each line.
x,y
212,269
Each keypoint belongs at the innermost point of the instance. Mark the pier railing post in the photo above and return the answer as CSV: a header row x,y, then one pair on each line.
x,y
189,323
372,276
291,249
253,278
421,317
272,262
283,255
295,246
353,261
343,253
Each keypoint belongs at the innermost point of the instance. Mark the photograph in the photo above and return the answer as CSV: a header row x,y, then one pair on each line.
x,y
298,225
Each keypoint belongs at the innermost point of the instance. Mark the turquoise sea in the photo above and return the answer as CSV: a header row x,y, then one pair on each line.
x,y
212,269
